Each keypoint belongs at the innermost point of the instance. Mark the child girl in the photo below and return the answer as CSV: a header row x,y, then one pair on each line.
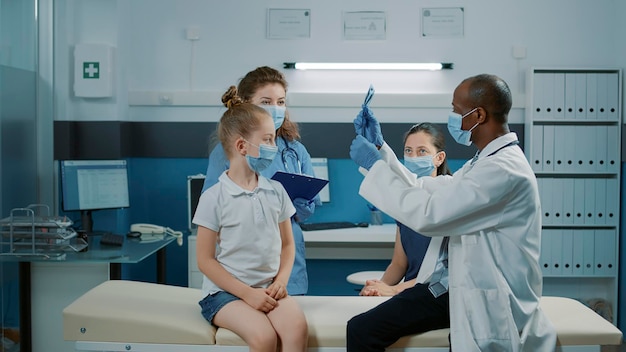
x,y
245,245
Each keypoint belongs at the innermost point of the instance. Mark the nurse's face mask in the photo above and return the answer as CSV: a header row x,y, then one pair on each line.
x,y
455,123
277,112
267,153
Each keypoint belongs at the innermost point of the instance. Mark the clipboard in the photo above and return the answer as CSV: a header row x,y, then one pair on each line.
x,y
300,186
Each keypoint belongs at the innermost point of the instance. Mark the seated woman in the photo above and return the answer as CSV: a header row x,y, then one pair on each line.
x,y
424,155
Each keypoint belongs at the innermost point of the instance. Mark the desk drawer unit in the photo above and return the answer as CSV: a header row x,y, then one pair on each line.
x,y
194,274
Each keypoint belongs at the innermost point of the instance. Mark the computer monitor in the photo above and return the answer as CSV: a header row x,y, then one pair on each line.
x,y
195,184
89,185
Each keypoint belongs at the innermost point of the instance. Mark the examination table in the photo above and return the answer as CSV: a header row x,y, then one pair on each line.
x,y
120,315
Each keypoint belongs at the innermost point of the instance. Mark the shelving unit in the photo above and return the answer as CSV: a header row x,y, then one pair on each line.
x,y
573,143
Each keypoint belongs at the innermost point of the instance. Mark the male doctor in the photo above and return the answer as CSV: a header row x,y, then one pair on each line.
x,y
490,213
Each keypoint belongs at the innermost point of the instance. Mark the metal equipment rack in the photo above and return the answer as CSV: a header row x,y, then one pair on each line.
x,y
24,233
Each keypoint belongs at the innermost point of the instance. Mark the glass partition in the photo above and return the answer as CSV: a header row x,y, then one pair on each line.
x,y
18,143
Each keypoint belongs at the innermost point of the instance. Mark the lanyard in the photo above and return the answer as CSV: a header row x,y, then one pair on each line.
x,y
497,150
504,146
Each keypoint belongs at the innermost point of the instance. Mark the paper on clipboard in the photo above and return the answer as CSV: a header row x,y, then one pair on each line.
x,y
300,186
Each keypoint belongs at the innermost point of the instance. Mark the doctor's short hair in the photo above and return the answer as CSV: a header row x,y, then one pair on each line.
x,y
436,138
259,78
240,120
492,93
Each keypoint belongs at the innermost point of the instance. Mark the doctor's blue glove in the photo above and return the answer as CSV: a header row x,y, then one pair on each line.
x,y
365,124
304,208
364,153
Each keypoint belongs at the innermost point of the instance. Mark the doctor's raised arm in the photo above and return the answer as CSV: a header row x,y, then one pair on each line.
x,y
488,215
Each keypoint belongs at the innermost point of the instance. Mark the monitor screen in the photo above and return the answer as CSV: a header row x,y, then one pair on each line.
x,y
194,190
94,184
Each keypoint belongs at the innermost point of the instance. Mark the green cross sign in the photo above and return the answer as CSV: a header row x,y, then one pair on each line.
x,y
91,70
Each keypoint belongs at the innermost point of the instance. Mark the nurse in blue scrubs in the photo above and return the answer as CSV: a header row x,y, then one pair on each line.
x,y
267,88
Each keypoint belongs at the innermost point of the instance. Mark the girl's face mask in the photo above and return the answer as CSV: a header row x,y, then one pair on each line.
x,y
267,153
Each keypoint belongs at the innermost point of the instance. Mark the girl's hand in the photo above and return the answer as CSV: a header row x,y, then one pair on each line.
x,y
258,299
277,290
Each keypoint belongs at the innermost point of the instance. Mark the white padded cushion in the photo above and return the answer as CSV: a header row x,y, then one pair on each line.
x,y
577,324
327,317
129,311
139,312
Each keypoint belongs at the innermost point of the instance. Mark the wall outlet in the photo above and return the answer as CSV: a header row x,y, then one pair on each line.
x,y
192,33
519,52
165,99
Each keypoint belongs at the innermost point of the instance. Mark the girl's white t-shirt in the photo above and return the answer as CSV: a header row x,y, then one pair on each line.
x,y
249,242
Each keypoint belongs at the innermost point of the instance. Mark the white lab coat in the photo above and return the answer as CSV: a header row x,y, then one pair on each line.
x,y
491,212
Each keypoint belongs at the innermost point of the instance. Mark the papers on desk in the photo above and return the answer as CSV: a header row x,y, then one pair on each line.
x,y
300,186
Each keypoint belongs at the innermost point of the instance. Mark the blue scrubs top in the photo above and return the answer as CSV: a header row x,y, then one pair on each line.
x,y
291,157
415,246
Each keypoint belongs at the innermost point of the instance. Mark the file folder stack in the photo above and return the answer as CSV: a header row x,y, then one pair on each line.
x,y
575,148
579,201
578,252
573,144
585,95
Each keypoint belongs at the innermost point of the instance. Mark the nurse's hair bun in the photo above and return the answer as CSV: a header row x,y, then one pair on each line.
x,y
230,98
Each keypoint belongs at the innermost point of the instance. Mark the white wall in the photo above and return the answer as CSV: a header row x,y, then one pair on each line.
x,y
154,56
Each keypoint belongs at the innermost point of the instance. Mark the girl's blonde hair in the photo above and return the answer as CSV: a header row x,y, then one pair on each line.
x,y
240,120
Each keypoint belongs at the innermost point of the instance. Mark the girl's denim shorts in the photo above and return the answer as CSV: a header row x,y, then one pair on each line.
x,y
211,304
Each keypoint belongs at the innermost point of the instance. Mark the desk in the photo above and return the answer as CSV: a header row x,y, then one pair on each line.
x,y
49,285
372,242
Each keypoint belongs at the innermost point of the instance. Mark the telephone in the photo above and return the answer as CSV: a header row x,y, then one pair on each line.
x,y
155,230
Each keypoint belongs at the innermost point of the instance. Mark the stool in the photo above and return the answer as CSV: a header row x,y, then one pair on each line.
x,y
360,277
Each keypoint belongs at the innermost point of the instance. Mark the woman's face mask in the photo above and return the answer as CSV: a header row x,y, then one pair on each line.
x,y
277,112
267,153
420,165
455,123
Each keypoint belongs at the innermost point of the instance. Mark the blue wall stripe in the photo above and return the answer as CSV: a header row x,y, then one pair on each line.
x,y
119,139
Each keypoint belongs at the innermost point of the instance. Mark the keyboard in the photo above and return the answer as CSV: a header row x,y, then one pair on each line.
x,y
112,239
331,225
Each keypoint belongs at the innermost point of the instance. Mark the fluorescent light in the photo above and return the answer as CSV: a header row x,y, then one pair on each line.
x,y
366,66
